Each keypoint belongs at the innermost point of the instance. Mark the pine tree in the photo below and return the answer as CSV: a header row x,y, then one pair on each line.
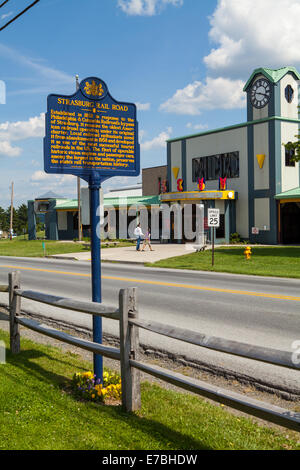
x,y
22,219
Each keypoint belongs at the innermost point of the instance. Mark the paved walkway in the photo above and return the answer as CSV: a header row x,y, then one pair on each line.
x,y
129,254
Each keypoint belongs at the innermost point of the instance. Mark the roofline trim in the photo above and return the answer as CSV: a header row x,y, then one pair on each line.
x,y
235,126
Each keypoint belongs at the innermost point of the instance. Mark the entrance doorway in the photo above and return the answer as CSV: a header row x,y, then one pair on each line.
x,y
290,223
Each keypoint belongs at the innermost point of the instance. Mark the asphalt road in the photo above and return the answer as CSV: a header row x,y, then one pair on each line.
x,y
256,310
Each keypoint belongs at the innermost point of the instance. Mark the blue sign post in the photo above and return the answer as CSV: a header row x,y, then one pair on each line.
x,y
91,135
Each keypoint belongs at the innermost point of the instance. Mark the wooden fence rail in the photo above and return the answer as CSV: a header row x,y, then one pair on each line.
x,y
95,348
236,348
128,353
91,308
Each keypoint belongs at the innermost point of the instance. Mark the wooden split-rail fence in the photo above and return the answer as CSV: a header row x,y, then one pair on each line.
x,y
128,352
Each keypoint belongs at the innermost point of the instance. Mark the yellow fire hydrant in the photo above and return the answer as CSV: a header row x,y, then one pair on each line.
x,y
248,252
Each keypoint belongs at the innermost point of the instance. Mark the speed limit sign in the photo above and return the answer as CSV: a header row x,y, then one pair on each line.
x,y
213,218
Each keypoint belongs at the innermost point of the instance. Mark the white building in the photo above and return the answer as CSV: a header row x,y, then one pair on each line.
x,y
262,197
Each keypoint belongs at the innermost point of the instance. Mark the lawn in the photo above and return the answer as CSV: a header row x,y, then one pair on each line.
x,y
38,411
34,248
265,261
21,247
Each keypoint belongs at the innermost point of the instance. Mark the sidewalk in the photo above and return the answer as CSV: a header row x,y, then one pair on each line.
x,y
129,254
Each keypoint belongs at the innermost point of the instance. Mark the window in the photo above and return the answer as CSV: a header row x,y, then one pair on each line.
x,y
289,93
220,231
288,157
216,166
62,220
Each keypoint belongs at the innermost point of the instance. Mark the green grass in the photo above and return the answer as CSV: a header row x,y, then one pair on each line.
x,y
34,248
21,247
265,261
38,412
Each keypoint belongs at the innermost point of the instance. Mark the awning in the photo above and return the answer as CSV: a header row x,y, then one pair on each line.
x,y
199,195
293,195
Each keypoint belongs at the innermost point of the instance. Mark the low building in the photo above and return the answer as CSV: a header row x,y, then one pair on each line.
x,y
61,214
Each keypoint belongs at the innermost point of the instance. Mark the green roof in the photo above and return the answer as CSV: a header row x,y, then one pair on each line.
x,y
273,75
72,204
131,201
235,126
291,194
66,204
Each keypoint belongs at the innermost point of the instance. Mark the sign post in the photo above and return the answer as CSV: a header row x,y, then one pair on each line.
x,y
94,188
92,136
213,216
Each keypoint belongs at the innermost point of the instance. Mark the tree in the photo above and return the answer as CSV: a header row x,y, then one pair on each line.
x,y
7,220
294,148
21,218
2,219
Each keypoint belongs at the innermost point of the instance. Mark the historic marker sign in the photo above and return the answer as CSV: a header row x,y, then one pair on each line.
x,y
93,136
89,132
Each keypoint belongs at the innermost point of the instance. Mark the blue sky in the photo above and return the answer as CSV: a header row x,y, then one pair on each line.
x,y
183,62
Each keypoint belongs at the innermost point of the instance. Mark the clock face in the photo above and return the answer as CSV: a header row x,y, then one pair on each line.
x,y
260,93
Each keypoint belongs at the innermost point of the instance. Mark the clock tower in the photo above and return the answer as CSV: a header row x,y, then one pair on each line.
x,y
272,120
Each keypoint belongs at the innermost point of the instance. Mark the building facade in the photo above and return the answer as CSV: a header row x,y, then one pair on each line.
x,y
122,209
154,180
244,170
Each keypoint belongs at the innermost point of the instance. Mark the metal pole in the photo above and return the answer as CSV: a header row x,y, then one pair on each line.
x,y
11,211
79,209
78,183
213,247
94,187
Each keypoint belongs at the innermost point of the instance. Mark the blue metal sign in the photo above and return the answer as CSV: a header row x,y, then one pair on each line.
x,y
91,134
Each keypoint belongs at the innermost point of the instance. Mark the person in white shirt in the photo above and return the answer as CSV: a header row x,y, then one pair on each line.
x,y
139,234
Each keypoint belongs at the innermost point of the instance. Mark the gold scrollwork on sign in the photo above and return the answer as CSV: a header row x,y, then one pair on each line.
x,y
93,89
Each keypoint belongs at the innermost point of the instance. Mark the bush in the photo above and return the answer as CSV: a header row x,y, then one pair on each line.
x,y
88,387
235,238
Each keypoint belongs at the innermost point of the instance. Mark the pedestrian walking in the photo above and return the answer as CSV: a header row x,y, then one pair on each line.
x,y
147,241
139,234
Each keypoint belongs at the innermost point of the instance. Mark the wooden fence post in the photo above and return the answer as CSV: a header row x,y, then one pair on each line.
x,y
129,347
14,311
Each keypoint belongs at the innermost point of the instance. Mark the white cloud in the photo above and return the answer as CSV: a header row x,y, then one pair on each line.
x,y
250,35
40,176
142,106
7,149
142,134
42,76
146,7
118,182
61,184
197,127
157,142
6,15
215,93
50,74
20,130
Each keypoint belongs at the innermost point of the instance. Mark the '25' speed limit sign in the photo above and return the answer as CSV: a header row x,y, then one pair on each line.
x,y
213,218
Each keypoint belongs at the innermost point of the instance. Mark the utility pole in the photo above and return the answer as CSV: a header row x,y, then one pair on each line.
x,y
11,211
78,185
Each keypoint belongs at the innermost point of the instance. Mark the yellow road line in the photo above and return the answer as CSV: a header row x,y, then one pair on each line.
x,y
160,283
